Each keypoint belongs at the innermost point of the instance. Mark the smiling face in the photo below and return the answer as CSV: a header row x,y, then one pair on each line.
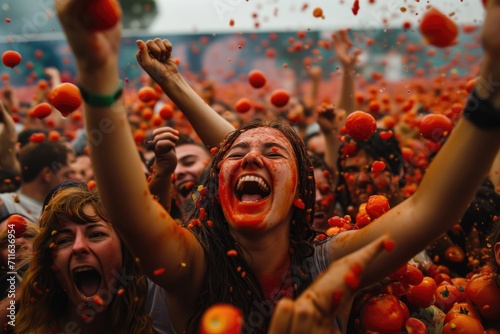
x,y
258,180
191,162
86,257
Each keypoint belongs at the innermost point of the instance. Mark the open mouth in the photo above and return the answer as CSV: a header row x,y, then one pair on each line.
x,y
251,188
87,280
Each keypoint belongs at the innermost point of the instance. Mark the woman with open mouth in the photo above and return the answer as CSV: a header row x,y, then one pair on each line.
x,y
249,241
82,277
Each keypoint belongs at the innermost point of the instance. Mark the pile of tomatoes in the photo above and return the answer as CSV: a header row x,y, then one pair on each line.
x,y
430,301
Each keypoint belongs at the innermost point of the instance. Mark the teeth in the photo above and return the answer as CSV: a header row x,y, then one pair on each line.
x,y
252,178
78,270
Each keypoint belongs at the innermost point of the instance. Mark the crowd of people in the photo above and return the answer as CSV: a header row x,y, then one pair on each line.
x,y
124,220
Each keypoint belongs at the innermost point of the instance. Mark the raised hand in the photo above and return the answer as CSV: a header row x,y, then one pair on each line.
x,y
96,52
164,140
155,57
343,49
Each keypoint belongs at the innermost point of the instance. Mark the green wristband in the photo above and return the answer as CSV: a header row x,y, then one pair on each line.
x,y
102,101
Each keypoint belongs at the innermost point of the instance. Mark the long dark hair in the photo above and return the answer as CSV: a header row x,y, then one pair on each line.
x,y
225,281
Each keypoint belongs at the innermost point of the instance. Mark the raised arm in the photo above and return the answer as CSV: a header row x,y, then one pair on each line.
x,y
347,57
169,254
160,183
451,180
8,140
155,57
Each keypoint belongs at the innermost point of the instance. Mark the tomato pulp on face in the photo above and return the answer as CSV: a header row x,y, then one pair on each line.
x,y
258,180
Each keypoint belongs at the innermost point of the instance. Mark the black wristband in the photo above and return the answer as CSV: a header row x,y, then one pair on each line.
x,y
481,112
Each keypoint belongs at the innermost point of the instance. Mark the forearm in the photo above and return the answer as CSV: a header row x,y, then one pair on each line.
x,y
346,98
125,192
160,185
211,127
332,146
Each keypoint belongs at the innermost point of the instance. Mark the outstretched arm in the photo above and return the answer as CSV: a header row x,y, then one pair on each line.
x,y
169,254
8,140
450,182
155,56
316,308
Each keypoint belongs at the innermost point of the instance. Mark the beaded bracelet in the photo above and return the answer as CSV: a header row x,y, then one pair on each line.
x,y
102,101
480,112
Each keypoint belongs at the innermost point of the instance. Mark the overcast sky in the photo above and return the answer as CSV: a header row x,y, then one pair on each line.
x,y
188,16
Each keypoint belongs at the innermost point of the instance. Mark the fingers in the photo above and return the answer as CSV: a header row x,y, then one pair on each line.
x,y
142,54
282,317
306,317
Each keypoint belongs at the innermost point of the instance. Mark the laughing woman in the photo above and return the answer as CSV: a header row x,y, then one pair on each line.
x,y
250,241
82,278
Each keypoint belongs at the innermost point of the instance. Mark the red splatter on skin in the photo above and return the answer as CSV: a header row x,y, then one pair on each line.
x,y
389,245
337,298
249,155
355,7
353,277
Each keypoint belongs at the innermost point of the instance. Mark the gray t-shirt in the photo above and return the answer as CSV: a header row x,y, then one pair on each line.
x,y
19,203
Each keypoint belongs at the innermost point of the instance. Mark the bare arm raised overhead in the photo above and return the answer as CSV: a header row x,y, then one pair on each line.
x,y
155,56
168,253
452,179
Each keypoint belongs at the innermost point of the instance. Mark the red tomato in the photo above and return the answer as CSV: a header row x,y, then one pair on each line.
x,y
435,127
54,136
461,309
37,137
377,205
460,283
18,224
256,79
442,277
11,58
438,29
422,295
463,324
446,295
221,319
383,313
147,113
483,292
101,14
66,98
243,105
42,110
279,98
412,275
470,84
360,125
166,112
147,94
455,253
415,326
